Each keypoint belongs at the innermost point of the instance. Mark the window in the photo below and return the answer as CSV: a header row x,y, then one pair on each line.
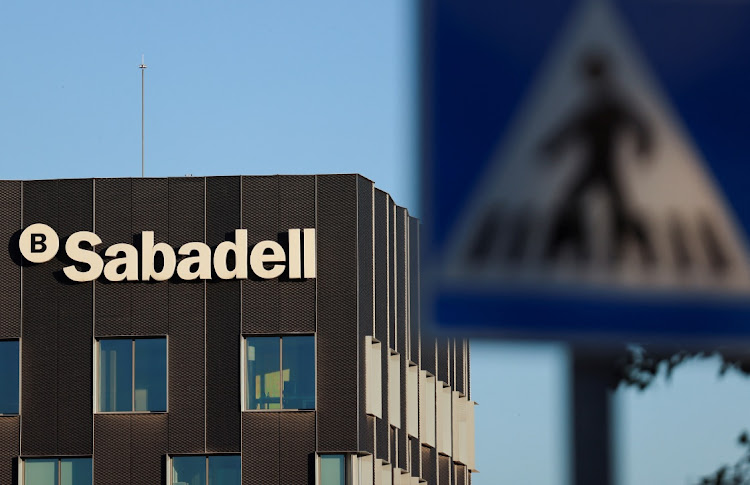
x,y
9,376
57,471
132,375
206,470
280,372
331,470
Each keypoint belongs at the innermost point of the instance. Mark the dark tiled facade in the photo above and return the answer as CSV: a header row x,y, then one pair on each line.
x,y
366,292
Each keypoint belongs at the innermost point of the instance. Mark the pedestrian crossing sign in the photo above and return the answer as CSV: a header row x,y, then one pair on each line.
x,y
592,213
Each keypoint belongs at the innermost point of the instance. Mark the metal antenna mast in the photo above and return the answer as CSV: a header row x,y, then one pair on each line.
x,y
143,85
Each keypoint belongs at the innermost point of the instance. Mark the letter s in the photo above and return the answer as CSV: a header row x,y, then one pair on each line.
x,y
79,255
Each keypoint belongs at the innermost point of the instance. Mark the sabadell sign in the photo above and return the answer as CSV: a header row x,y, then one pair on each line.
x,y
40,243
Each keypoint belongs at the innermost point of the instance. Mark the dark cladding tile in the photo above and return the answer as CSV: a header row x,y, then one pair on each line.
x,y
366,289
149,434
381,251
297,448
260,216
414,291
186,299
296,211
74,330
429,465
150,204
260,448
9,433
113,223
39,333
223,324
10,270
337,313
112,445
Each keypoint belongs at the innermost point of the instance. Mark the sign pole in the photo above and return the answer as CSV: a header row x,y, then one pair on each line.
x,y
592,419
143,105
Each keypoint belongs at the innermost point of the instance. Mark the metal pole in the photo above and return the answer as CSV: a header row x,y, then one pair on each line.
x,y
592,419
143,87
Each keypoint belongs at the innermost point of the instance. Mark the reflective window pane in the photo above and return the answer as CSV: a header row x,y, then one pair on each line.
x,y
224,470
9,377
151,374
40,472
298,365
75,471
116,375
332,470
189,470
263,373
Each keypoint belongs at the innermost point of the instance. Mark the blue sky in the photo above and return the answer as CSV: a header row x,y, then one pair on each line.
x,y
251,87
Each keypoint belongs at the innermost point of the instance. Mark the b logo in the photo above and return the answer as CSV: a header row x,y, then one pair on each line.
x,y
39,243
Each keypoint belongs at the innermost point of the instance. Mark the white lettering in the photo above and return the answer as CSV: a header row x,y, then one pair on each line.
x,y
149,250
39,243
239,248
80,255
295,254
129,263
310,251
258,258
203,260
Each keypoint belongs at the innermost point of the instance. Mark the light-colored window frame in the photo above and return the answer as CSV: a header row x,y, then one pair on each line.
x,y
97,383
243,371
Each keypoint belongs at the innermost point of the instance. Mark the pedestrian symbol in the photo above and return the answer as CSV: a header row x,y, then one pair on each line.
x,y
597,184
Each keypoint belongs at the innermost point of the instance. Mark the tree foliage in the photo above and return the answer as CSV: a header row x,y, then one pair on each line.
x,y
640,366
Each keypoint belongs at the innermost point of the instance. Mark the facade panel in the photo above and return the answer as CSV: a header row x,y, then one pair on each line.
x,y
113,224
382,327
186,402
9,442
74,329
112,441
260,448
223,323
260,216
297,448
402,328
150,440
39,332
337,314
10,271
414,319
150,205
296,211
365,299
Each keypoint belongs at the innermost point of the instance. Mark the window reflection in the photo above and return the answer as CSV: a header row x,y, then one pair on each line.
x,y
332,470
9,377
150,375
40,472
192,470
75,471
133,375
299,372
189,470
54,471
263,386
280,372
115,375
224,470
